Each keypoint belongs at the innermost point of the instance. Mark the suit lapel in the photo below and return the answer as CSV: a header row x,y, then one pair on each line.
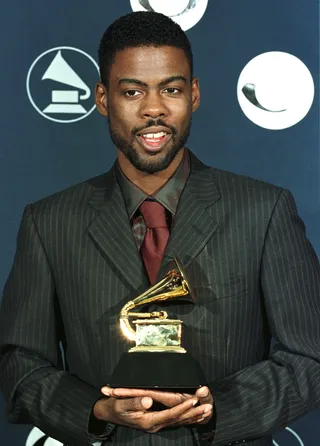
x,y
193,225
112,234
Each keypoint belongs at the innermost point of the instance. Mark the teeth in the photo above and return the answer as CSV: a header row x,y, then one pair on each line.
x,y
154,135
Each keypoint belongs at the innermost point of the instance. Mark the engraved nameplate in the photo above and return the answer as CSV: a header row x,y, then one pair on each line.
x,y
159,334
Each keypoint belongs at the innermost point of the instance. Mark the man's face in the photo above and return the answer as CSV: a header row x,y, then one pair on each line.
x,y
149,102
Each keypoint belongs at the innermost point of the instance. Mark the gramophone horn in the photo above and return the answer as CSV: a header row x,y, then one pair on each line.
x,y
174,285
59,70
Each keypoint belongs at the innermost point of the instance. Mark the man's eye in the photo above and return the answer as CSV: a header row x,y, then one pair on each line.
x,y
131,93
172,90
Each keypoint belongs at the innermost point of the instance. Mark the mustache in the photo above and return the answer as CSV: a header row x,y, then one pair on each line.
x,y
154,123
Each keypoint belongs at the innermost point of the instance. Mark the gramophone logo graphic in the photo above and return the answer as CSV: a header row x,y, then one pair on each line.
x,y
58,84
187,13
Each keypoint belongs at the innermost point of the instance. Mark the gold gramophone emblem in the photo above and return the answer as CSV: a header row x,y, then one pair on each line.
x,y
154,331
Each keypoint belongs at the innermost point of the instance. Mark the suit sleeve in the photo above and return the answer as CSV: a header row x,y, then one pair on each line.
x,y
37,389
269,395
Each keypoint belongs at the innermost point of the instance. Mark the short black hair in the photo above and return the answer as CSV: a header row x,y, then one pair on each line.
x,y
140,29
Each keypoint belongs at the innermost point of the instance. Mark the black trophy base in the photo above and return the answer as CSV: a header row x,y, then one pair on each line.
x,y
158,370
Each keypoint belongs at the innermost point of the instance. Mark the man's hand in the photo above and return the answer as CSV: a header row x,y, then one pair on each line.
x,y
205,397
180,406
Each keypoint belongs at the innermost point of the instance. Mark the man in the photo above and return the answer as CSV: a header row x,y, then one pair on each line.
x,y
84,252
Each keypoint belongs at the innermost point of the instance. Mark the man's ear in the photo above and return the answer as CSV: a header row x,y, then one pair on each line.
x,y
101,99
195,93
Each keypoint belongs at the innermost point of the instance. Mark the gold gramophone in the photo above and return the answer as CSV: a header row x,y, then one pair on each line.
x,y
152,362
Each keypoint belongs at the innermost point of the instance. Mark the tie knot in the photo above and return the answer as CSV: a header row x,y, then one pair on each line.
x,y
154,214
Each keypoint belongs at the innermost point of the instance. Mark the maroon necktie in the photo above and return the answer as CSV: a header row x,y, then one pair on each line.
x,y
156,238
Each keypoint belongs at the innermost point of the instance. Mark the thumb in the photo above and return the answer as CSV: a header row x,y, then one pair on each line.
x,y
146,402
137,404
204,395
108,391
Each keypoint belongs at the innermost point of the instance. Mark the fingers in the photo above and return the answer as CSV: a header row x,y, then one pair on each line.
x,y
168,399
138,412
199,419
126,406
132,407
107,390
166,417
180,415
197,415
125,393
130,414
204,395
126,412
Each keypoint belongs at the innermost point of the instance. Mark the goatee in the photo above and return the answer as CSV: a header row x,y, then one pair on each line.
x,y
149,165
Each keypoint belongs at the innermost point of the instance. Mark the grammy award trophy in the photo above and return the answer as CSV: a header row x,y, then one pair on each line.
x,y
158,360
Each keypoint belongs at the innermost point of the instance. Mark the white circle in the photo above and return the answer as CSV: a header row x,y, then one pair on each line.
x,y
63,121
168,7
294,434
185,13
35,435
275,90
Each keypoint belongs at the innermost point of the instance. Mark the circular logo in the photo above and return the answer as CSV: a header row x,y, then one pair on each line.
x,y
288,436
59,84
37,438
186,13
275,90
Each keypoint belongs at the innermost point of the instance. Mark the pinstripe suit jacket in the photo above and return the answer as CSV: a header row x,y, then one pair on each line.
x,y
255,277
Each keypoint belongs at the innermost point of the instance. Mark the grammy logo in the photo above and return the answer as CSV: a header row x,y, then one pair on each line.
x,y
65,101
59,84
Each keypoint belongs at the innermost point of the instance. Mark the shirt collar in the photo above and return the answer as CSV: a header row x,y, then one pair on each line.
x,y
168,195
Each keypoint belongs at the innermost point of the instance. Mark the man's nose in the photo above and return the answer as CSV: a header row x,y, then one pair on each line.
x,y
153,106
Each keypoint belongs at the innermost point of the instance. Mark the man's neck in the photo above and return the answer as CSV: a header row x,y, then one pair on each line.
x,y
149,183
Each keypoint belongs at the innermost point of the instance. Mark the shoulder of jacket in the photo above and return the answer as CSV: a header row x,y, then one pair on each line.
x,y
229,180
71,197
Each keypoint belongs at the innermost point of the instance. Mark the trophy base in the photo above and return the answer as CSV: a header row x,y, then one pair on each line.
x,y
158,370
153,348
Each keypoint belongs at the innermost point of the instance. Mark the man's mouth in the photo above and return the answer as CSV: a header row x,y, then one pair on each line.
x,y
154,141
